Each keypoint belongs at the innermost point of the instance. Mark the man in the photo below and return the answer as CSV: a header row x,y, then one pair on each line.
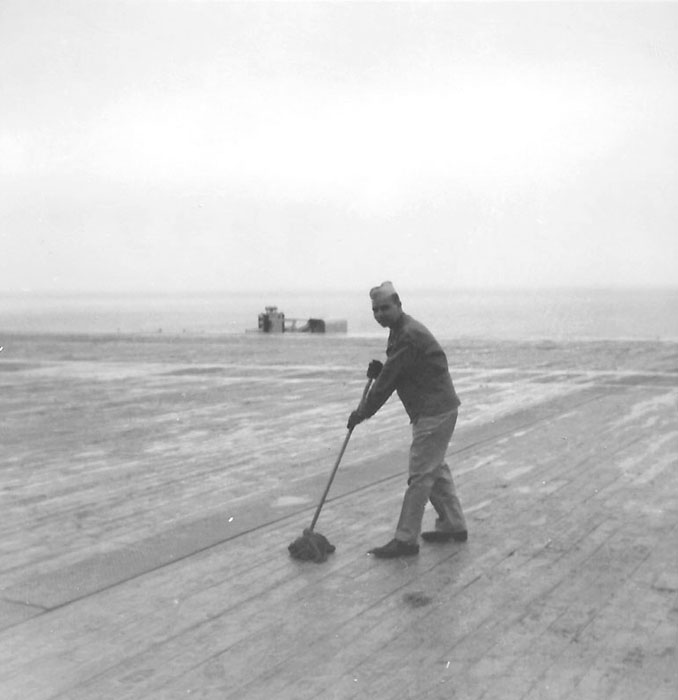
x,y
416,368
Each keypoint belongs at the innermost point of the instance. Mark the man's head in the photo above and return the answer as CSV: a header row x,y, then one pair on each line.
x,y
386,305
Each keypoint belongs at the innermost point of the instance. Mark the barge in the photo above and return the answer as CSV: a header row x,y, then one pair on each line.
x,y
271,320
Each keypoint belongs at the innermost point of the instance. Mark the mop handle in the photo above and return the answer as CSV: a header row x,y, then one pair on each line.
x,y
336,464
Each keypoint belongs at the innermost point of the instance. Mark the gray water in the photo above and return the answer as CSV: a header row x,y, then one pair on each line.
x,y
557,314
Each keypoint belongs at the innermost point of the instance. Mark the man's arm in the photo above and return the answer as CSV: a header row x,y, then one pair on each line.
x,y
386,383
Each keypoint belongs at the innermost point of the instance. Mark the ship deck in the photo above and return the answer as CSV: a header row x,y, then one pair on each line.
x,y
150,489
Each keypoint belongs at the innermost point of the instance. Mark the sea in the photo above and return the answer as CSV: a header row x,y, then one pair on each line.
x,y
515,314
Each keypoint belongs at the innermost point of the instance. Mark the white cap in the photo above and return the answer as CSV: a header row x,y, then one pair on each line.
x,y
385,289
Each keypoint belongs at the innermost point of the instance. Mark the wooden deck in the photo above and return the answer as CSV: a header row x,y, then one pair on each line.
x,y
149,492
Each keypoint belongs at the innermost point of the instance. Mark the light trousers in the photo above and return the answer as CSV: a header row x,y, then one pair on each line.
x,y
430,479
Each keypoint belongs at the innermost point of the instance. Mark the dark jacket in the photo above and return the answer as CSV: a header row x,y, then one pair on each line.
x,y
416,367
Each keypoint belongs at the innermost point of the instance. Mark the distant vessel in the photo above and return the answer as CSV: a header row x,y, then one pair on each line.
x,y
273,321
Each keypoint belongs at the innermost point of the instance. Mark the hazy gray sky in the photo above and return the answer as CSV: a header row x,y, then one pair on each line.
x,y
192,145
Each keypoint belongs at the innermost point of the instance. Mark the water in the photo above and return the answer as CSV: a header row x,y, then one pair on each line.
x,y
556,314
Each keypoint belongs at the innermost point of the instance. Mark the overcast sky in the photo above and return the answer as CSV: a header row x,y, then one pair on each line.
x,y
188,146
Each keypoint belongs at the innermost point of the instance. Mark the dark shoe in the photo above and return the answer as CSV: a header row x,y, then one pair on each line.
x,y
395,548
437,536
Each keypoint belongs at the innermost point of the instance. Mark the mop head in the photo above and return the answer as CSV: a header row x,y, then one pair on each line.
x,y
311,547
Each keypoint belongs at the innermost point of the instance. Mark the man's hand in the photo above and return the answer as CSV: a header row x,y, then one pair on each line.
x,y
374,369
355,418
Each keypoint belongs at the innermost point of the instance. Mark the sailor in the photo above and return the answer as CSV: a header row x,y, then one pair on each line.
x,y
416,368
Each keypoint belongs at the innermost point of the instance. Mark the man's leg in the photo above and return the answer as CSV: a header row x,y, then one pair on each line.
x,y
430,439
446,502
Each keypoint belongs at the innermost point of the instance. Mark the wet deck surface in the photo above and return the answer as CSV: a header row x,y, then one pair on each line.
x,y
149,492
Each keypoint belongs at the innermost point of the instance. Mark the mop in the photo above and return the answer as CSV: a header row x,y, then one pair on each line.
x,y
312,546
